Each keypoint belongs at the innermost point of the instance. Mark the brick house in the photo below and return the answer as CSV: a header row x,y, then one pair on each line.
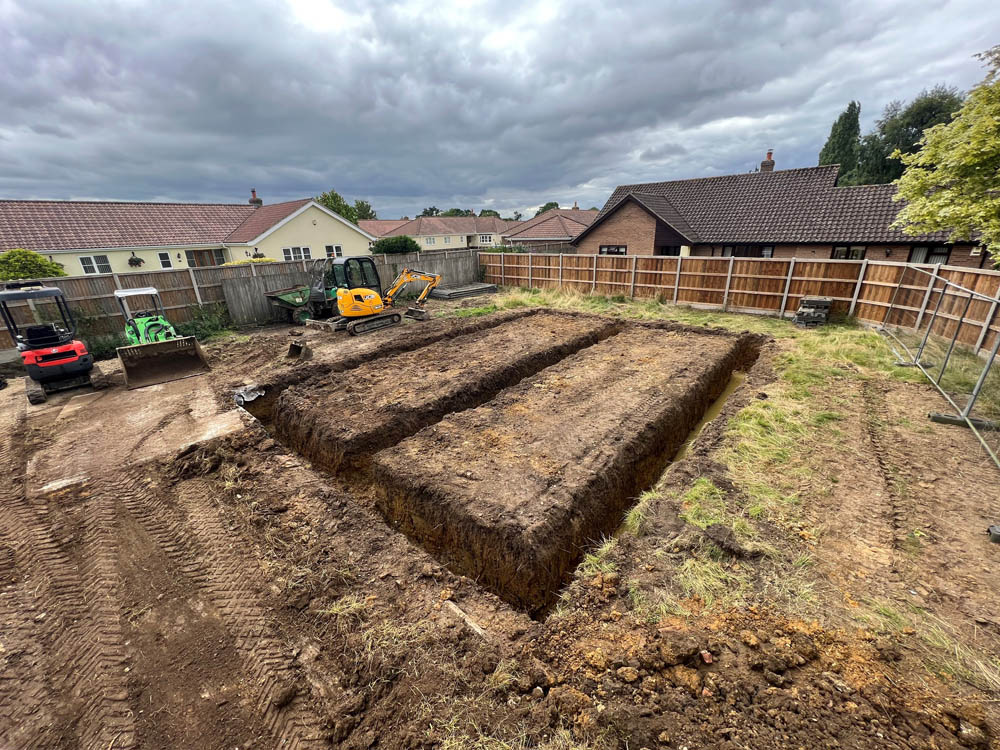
x,y
558,225
799,213
444,232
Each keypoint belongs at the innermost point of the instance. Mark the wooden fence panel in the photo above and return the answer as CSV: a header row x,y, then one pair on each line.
x,y
703,281
655,277
758,284
245,298
614,275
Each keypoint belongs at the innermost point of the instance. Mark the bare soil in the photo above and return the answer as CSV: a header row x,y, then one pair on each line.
x,y
172,576
510,493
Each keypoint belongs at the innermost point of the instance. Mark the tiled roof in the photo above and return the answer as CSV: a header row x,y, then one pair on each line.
x,y
438,225
72,225
790,205
555,224
381,227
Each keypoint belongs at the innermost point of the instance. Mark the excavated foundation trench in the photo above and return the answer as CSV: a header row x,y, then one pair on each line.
x,y
507,450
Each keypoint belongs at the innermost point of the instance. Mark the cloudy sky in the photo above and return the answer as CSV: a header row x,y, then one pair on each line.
x,y
497,104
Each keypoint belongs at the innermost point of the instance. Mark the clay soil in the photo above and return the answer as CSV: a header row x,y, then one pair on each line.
x,y
173,576
510,493
344,418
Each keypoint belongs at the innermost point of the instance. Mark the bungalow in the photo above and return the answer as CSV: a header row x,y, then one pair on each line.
x,y
446,232
91,237
800,213
558,225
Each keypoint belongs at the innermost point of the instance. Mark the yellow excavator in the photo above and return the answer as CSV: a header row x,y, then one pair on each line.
x,y
363,306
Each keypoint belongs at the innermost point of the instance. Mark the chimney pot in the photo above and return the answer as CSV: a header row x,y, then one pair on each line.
x,y
768,164
254,200
575,207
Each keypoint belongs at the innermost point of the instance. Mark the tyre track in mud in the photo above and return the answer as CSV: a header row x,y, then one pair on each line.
x,y
875,419
194,538
64,617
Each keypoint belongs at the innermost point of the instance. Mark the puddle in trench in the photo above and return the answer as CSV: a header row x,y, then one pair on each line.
x,y
713,411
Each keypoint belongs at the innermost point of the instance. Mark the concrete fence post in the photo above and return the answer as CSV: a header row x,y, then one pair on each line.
x,y
253,269
194,285
503,271
677,278
631,294
593,284
788,285
729,279
531,262
857,287
560,270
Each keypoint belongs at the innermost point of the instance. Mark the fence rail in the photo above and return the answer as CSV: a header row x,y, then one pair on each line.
x,y
866,289
92,296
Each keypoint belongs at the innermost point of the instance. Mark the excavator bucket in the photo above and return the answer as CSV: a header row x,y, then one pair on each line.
x,y
417,313
149,364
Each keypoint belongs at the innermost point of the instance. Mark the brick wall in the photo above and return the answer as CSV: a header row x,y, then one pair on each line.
x,y
961,255
630,225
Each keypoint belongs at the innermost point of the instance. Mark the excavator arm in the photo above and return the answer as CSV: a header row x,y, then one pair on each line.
x,y
405,277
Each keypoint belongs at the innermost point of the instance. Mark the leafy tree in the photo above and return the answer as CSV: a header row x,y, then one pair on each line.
x,y
26,264
432,211
489,212
952,182
396,245
842,145
547,207
458,212
336,203
517,215
593,208
364,210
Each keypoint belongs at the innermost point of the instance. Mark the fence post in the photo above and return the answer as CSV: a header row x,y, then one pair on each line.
x,y
635,258
194,285
677,278
788,285
927,296
503,271
986,325
593,283
920,351
857,287
531,263
560,270
253,269
729,278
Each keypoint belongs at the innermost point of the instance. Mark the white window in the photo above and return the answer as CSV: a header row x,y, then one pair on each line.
x,y
165,261
485,239
296,253
447,240
95,264
429,240
334,251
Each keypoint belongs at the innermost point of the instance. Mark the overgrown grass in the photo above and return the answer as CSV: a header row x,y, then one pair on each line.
x,y
703,505
597,561
206,322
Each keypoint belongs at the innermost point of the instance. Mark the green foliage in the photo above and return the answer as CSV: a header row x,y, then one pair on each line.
x,y
430,211
953,182
334,201
458,212
396,245
490,212
245,261
26,264
842,145
364,210
547,207
206,321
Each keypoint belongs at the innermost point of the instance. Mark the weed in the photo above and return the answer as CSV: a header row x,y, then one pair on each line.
x,y
206,321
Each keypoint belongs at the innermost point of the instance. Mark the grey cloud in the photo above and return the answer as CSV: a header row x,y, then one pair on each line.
x,y
420,103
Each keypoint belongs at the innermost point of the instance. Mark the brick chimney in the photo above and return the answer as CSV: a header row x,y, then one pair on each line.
x,y
254,200
768,164
575,207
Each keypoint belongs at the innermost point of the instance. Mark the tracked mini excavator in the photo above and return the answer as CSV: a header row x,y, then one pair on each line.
x,y
362,305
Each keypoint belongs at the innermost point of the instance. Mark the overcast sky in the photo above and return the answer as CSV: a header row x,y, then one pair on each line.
x,y
502,105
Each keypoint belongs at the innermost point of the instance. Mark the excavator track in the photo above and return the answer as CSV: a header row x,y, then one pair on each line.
x,y
373,323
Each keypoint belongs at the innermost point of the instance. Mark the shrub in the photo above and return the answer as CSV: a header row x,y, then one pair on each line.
x,y
245,261
396,245
26,264
206,321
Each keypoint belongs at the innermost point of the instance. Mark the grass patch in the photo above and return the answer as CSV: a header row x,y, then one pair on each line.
x,y
707,579
635,520
703,505
473,312
597,561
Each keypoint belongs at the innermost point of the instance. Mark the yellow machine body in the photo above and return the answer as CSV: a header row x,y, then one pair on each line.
x,y
359,303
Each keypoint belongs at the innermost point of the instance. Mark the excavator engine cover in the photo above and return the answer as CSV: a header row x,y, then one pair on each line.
x,y
173,359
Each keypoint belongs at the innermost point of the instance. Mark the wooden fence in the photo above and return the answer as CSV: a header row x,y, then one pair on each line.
x,y
92,299
862,288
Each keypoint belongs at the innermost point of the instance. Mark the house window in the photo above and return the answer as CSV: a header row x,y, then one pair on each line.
x,y
673,250
447,240
929,254
429,240
613,249
334,251
848,252
748,251
485,239
165,261
199,258
95,264
296,253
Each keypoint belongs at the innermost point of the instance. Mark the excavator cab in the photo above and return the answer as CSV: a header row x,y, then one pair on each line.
x,y
361,302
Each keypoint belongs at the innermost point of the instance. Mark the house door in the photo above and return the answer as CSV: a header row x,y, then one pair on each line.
x,y
197,258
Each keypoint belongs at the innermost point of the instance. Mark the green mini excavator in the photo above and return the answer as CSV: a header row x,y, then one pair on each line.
x,y
155,354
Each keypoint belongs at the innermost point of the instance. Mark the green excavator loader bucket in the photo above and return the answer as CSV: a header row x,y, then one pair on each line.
x,y
149,364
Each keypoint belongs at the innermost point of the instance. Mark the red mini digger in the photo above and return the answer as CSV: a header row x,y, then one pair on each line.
x,y
52,355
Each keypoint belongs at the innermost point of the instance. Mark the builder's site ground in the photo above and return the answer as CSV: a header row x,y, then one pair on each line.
x,y
535,521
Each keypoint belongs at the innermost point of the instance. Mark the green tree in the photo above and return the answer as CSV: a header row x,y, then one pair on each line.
x,y
952,183
593,208
490,212
26,264
336,203
547,207
396,245
842,145
431,211
458,212
364,210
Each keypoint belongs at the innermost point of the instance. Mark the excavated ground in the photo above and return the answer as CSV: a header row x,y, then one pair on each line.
x,y
511,492
344,418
